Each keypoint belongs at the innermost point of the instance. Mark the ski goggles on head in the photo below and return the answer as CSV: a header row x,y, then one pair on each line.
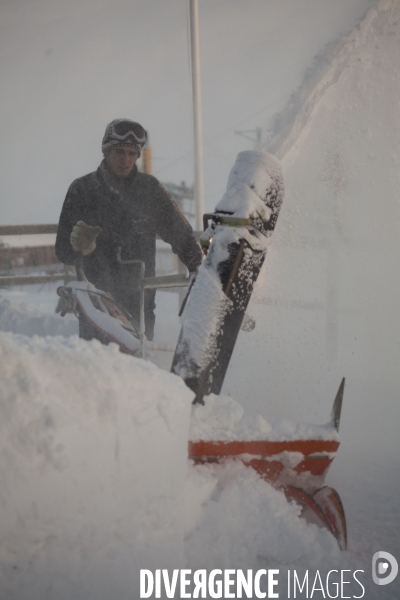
x,y
120,130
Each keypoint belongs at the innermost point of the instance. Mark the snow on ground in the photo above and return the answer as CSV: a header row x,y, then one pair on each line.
x,y
93,460
221,418
82,424
95,480
29,320
41,296
74,517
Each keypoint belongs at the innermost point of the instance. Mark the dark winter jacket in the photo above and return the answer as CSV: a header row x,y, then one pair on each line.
x,y
131,213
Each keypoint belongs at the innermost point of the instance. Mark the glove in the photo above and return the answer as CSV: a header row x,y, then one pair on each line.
x,y
83,238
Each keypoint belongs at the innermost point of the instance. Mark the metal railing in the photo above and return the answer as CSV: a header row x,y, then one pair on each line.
x,y
8,280
65,275
27,229
152,283
159,282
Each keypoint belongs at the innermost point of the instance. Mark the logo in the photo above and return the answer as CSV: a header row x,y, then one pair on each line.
x,y
384,568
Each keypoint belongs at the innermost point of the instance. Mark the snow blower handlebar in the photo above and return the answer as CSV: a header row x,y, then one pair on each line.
x,y
80,274
142,266
97,298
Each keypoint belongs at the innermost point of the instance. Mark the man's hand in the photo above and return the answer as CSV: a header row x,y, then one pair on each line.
x,y
83,238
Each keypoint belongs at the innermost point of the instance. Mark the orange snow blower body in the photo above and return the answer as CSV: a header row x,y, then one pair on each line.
x,y
302,480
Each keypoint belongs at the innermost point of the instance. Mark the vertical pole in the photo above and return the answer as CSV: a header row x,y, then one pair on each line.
x,y
142,324
181,267
197,116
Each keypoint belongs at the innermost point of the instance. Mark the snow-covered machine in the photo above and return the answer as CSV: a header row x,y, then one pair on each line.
x,y
295,464
235,244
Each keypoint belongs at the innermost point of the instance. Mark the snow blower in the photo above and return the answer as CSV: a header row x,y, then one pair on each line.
x,y
235,244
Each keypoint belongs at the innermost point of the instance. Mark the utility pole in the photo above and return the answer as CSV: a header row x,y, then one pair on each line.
x,y
197,114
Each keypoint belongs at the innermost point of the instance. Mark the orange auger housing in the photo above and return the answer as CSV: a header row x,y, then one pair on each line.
x,y
263,456
302,480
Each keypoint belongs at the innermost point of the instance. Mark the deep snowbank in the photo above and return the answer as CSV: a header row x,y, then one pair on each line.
x,y
93,467
236,520
328,308
96,485
326,303
25,319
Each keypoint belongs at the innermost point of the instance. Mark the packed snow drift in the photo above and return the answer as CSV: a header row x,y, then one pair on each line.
x,y
93,461
93,468
96,483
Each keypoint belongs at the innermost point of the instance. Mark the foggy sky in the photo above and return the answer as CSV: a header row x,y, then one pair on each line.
x,y
67,69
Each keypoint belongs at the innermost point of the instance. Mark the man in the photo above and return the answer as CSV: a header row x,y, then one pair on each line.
x,y
117,207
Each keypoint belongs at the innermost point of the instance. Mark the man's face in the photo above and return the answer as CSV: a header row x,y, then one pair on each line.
x,y
120,161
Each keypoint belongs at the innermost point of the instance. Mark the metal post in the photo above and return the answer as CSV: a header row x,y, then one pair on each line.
x,y
121,261
197,115
142,325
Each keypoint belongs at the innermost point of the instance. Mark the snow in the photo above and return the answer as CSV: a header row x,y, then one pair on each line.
x,y
77,521
222,418
261,517
254,189
250,184
29,320
95,479
326,303
92,463
199,322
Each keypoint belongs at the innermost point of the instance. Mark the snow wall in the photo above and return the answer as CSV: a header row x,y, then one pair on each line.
x,y
96,484
326,302
341,164
92,466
